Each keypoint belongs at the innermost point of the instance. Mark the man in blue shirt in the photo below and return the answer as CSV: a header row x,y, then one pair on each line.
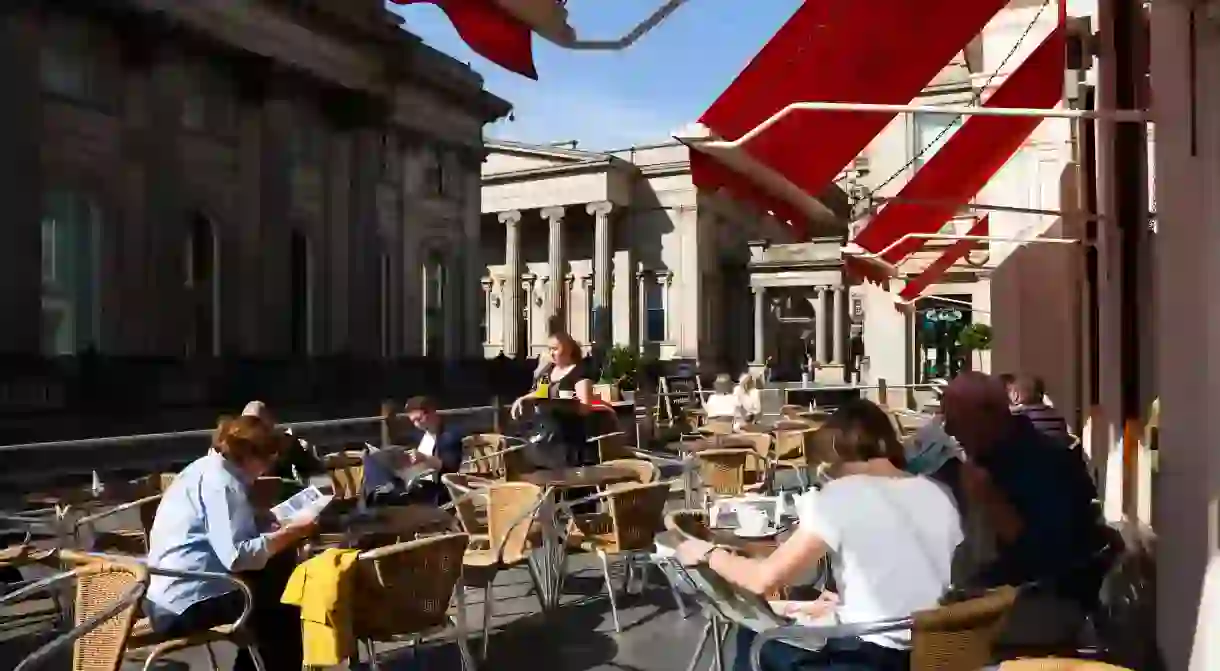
x,y
1040,502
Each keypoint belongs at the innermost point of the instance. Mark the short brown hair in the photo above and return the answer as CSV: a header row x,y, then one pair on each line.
x,y
862,431
243,438
1029,389
420,404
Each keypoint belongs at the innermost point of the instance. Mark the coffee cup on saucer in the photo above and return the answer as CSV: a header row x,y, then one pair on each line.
x,y
752,521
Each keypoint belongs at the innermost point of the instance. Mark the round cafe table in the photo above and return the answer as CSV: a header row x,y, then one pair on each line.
x,y
549,562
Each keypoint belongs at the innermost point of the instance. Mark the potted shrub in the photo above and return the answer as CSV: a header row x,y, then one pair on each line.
x,y
976,338
618,373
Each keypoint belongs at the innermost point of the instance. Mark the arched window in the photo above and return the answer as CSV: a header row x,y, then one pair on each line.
x,y
302,283
203,285
434,301
71,282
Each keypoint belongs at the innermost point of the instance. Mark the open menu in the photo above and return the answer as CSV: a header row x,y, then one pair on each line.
x,y
305,504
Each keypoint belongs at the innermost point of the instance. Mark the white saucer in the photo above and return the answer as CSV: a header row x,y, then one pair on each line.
x,y
765,533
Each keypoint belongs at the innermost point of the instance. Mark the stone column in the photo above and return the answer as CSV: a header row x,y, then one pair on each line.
x,y
554,286
472,223
821,331
760,317
512,268
642,276
840,299
603,260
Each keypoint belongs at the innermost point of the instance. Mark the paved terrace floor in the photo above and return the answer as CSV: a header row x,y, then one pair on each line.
x,y
578,637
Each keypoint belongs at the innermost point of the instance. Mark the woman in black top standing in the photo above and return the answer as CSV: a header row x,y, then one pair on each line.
x,y
567,377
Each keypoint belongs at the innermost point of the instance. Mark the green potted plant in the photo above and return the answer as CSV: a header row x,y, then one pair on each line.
x,y
976,338
618,373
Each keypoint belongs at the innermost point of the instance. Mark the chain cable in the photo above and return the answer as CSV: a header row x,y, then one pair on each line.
x,y
976,97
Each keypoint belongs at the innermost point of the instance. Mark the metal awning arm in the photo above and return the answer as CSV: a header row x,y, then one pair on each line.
x,y
662,13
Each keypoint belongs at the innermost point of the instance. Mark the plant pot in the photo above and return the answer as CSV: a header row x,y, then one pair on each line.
x,y
607,392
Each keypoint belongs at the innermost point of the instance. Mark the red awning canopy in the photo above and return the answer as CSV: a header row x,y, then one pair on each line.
x,y
874,51
964,165
915,286
502,31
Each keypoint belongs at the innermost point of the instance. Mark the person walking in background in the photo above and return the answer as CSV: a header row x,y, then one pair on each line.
x,y
1026,396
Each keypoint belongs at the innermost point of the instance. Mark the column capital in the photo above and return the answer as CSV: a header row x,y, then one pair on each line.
x,y
553,214
510,217
601,208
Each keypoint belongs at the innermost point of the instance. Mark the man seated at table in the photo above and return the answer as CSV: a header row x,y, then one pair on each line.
x,y
206,522
439,452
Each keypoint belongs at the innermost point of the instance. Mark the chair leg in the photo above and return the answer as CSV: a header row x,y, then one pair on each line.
x,y
673,589
256,658
718,643
463,632
698,656
536,583
610,589
489,601
372,653
212,657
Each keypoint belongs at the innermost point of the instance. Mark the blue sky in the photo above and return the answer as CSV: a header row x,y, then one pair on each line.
x,y
608,100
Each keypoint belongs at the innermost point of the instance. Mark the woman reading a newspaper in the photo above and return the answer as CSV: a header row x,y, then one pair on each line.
x,y
206,522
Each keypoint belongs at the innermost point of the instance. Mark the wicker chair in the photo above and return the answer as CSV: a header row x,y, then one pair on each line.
x,y
954,637
758,471
1058,664
108,593
403,592
465,505
646,472
145,641
634,516
481,455
132,542
346,470
512,512
717,427
723,472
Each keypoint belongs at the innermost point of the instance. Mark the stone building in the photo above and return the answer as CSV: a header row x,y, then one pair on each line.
x,y
621,248
262,179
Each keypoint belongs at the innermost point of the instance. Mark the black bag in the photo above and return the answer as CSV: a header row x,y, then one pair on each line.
x,y
545,447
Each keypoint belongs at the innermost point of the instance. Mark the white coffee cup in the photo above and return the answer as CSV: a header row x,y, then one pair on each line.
x,y
752,520
567,394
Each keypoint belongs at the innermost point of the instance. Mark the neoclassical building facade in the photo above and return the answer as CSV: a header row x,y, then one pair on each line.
x,y
620,248
264,179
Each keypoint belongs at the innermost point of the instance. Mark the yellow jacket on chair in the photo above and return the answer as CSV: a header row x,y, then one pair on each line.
x,y
322,588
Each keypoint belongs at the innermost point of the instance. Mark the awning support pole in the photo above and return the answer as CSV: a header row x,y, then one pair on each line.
x,y
632,36
856,251
985,207
1123,116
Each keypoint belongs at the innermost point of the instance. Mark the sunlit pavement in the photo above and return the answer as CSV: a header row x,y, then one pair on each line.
x,y
579,636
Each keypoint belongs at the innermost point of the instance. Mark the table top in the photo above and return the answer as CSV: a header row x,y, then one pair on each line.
x,y
580,476
112,493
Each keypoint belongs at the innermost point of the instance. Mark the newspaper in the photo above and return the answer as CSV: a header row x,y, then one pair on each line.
x,y
305,504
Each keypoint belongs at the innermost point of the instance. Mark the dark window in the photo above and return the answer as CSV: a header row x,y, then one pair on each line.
x,y
654,303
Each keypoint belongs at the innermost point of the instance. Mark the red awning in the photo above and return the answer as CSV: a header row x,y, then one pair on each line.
x,y
874,51
491,31
915,286
967,161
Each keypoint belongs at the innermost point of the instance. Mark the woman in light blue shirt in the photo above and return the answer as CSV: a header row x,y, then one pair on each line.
x,y
206,523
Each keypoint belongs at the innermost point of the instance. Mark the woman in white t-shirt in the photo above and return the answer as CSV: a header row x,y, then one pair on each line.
x,y
723,403
890,536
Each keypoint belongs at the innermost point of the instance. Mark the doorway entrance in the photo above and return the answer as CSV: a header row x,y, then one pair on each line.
x,y
938,325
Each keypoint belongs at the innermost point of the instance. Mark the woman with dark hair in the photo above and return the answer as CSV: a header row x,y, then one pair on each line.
x,y
890,537
207,523
567,377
